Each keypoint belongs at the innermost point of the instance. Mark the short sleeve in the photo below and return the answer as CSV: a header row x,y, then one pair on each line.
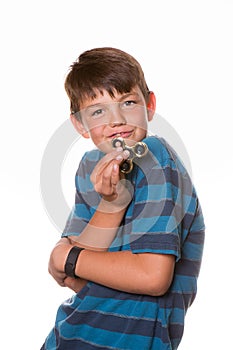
x,y
86,199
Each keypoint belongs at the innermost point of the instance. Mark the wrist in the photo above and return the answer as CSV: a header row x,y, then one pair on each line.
x,y
71,261
110,207
121,200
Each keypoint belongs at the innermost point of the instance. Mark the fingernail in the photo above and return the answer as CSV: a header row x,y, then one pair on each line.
x,y
115,167
119,157
119,149
126,153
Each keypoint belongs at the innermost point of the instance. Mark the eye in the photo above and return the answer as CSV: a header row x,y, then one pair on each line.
x,y
97,113
129,104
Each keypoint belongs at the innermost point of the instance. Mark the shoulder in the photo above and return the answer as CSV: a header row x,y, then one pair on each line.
x,y
163,154
160,148
160,156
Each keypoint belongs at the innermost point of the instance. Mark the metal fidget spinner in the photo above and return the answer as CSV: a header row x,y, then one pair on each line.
x,y
138,150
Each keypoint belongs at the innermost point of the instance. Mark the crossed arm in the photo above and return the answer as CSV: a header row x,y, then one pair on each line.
x,y
145,273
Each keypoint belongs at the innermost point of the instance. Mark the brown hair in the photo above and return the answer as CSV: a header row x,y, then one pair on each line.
x,y
101,69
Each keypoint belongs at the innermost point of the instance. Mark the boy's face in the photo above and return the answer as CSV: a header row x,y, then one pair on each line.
x,y
125,115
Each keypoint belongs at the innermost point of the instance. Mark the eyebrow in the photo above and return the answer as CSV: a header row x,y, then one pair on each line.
x,y
123,97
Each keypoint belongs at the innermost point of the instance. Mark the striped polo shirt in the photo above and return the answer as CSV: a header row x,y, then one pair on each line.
x,y
163,217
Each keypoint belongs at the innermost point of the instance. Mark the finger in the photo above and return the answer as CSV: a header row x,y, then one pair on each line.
x,y
115,176
106,167
103,163
110,175
105,182
60,279
76,284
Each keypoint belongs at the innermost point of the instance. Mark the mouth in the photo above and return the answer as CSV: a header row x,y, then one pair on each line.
x,y
123,134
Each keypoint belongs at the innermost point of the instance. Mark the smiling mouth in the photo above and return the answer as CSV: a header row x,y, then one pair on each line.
x,y
123,134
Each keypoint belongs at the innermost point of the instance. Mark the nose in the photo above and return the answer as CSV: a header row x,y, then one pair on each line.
x,y
116,116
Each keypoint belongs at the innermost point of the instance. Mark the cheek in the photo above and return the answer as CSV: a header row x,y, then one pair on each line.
x,y
97,136
93,128
140,122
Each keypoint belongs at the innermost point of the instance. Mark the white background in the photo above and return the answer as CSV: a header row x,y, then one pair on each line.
x,y
185,48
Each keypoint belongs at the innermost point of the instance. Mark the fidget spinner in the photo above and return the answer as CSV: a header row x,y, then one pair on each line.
x,y
138,150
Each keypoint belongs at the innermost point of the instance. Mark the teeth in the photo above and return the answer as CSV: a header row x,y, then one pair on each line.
x,y
119,134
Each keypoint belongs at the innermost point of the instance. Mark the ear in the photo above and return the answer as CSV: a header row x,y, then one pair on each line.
x,y
151,106
78,125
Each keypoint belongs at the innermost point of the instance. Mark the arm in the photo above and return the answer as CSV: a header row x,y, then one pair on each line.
x,y
134,273
102,228
144,273
115,197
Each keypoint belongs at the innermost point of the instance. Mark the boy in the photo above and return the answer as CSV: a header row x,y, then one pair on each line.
x,y
132,246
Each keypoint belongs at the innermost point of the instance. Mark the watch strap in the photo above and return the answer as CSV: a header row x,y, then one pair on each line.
x,y
71,261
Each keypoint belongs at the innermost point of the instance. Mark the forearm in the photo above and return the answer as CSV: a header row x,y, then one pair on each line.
x,y
101,229
122,269
134,273
116,194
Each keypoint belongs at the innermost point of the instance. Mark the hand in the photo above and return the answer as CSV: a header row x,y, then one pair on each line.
x,y
57,260
109,182
76,284
57,266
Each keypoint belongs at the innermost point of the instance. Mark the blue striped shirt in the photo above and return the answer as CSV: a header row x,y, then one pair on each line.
x,y
164,217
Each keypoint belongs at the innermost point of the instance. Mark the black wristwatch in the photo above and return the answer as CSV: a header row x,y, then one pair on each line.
x,y
71,261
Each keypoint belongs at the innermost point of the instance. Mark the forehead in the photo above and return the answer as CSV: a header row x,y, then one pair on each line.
x,y
104,97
